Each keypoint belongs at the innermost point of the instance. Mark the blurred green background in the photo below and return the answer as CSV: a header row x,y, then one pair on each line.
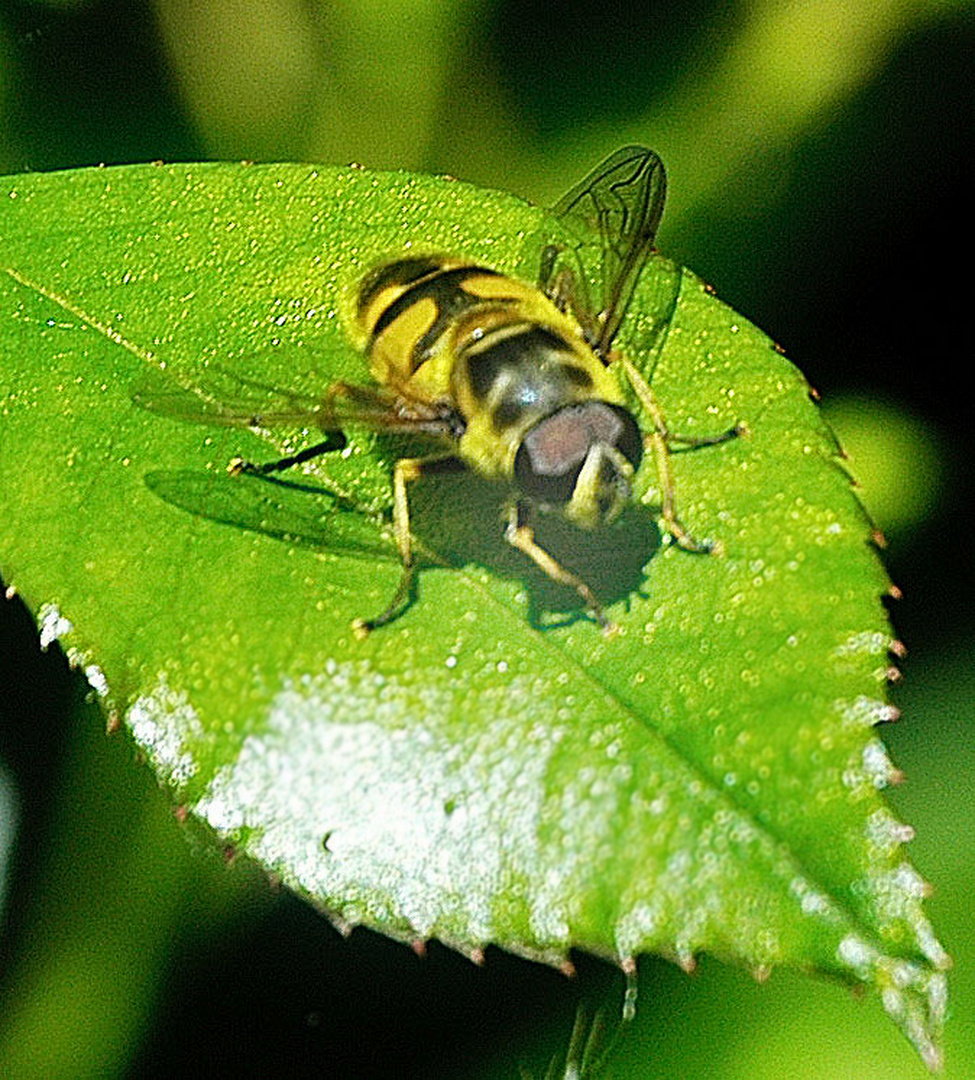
x,y
820,174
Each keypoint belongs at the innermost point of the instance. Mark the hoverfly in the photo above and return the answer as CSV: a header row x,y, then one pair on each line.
x,y
518,382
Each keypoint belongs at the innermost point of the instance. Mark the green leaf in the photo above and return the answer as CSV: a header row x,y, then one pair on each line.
x,y
490,768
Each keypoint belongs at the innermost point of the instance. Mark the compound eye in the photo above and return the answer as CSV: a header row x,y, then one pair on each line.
x,y
629,438
552,453
541,478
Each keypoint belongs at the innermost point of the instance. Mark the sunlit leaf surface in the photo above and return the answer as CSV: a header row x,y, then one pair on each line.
x,y
489,768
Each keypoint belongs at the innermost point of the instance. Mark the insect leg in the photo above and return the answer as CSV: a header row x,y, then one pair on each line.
x,y
238,466
521,536
334,440
692,442
658,441
405,472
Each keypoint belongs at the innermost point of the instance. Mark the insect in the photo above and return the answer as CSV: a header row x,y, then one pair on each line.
x,y
518,382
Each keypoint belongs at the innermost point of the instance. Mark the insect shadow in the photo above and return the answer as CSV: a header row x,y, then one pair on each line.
x,y
461,517
293,512
456,517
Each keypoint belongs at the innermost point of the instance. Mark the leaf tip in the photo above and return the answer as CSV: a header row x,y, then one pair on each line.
x,y
344,926
898,648
686,961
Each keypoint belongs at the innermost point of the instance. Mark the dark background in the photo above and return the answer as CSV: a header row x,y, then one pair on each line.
x,y
842,232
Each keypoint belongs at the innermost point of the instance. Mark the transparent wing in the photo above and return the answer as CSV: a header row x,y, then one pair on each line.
x,y
617,206
222,398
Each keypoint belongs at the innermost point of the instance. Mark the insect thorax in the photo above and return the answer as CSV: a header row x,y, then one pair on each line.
x,y
442,329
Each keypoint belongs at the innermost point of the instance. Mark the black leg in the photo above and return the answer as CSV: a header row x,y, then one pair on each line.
x,y
334,441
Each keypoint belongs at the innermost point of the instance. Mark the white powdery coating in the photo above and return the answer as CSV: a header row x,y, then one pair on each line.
x,y
80,660
381,806
865,711
164,723
886,832
868,642
876,764
857,954
934,951
913,997
873,768
96,680
53,625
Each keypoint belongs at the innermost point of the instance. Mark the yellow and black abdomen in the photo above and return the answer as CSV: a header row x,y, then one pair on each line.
x,y
442,330
406,313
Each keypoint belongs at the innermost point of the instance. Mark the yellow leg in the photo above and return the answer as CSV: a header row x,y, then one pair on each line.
x,y
521,536
405,472
658,443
